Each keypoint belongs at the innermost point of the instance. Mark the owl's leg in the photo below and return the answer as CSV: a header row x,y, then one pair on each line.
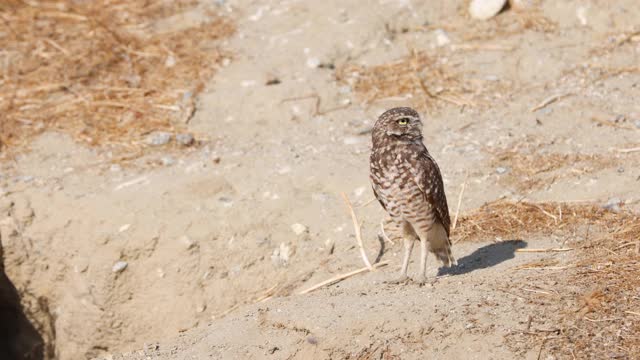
x,y
403,278
408,239
421,279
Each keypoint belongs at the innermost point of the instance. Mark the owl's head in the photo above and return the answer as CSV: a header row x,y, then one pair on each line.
x,y
401,124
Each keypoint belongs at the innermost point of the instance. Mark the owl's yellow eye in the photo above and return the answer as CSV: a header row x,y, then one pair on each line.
x,y
403,121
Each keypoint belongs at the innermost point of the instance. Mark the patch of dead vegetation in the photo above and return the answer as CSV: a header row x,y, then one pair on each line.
x,y
421,76
103,71
600,300
534,169
513,220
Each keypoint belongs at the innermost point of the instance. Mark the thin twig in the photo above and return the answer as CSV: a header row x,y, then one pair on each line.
x,y
455,219
356,226
341,277
630,150
548,101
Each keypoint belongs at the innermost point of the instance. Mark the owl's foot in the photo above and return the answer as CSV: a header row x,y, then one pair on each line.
x,y
403,279
422,281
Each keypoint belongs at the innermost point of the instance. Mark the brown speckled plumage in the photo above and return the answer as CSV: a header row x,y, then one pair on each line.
x,y
407,182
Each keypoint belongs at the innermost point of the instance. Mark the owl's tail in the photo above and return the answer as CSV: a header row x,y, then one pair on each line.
x,y
440,245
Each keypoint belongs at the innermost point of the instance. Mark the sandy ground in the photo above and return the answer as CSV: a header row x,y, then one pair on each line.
x,y
207,232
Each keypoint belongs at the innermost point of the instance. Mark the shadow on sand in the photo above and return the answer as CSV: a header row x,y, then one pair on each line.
x,y
484,257
19,339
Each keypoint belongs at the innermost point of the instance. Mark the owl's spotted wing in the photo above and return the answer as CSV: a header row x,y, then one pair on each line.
x,y
429,180
380,200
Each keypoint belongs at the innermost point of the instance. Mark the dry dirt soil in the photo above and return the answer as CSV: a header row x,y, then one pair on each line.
x,y
219,238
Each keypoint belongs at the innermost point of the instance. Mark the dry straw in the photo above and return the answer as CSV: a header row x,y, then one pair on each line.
x,y
106,72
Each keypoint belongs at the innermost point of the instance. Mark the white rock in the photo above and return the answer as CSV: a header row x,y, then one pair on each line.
x,y
485,9
185,139
581,13
442,38
187,242
170,61
298,229
119,266
158,138
359,191
313,63
124,228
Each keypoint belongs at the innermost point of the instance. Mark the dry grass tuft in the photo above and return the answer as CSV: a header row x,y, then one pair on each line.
x,y
601,289
106,72
513,220
532,169
420,76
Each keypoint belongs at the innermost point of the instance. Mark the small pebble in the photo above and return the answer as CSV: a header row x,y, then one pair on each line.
x,y
620,169
442,38
119,266
637,123
613,204
159,138
170,61
185,139
299,229
187,242
167,160
501,170
313,63
581,14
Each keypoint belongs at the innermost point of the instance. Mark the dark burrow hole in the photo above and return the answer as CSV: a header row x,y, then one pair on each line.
x,y
20,338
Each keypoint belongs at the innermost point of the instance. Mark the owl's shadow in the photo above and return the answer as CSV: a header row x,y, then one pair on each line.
x,y
485,257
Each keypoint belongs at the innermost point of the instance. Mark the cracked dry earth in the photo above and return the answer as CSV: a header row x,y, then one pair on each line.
x,y
214,264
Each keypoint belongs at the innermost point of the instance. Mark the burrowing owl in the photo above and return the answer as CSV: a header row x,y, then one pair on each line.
x,y
407,182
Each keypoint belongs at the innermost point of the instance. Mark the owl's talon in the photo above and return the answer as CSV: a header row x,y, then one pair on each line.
x,y
400,280
422,281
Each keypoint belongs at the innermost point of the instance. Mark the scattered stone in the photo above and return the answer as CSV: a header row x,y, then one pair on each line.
x,y
284,170
501,170
620,170
485,9
299,229
119,266
613,204
170,61
124,228
581,14
359,191
637,123
159,138
272,81
281,254
442,38
330,246
345,89
25,178
115,168
187,242
185,139
226,202
313,63
167,160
